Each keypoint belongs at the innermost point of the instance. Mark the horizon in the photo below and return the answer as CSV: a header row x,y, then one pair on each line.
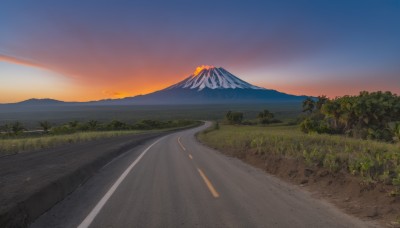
x,y
196,73
80,51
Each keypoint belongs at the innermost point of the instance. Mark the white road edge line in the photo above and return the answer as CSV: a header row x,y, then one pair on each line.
x,y
92,215
179,141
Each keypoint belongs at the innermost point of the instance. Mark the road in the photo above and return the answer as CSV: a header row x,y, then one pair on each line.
x,y
175,181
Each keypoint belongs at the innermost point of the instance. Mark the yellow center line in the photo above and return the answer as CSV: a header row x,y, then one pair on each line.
x,y
180,144
208,183
210,187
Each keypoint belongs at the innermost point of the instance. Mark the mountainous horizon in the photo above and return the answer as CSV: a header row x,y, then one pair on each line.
x,y
208,84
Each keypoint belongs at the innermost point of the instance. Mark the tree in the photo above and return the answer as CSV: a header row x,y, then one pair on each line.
x,y
17,128
92,124
321,100
228,115
6,128
73,124
45,125
265,117
234,117
117,125
396,131
368,115
308,105
266,114
332,110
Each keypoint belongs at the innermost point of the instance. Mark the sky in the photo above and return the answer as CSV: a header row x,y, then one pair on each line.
x,y
96,49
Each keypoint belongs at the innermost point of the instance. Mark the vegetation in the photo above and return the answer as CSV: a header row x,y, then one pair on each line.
x,y
5,129
234,117
17,128
264,117
58,115
372,160
367,116
14,140
357,135
267,117
15,145
45,125
216,126
92,124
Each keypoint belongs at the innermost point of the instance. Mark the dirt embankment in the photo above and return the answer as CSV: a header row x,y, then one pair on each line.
x,y
369,201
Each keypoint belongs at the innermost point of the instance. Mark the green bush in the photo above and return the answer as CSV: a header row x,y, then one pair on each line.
x,y
117,125
367,116
313,157
234,117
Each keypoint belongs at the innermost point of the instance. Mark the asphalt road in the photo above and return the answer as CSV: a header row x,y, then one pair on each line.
x,y
174,181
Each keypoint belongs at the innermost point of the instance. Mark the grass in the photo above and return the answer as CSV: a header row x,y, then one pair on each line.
x,y
17,145
371,160
32,143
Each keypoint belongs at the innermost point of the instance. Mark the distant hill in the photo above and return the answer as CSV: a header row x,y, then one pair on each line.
x,y
45,101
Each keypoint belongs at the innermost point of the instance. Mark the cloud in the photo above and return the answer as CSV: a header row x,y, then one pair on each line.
x,y
99,50
19,61
114,94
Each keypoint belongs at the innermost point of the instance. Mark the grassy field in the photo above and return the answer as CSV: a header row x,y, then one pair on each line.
x,y
32,143
12,146
373,161
30,116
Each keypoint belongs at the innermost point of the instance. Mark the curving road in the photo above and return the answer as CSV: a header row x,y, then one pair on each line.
x,y
175,181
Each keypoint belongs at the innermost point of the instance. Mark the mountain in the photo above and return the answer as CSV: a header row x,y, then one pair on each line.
x,y
209,85
45,101
212,78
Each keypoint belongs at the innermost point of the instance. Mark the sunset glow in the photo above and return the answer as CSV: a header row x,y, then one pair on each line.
x,y
79,54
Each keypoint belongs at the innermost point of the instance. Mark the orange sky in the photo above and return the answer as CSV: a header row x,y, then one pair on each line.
x,y
80,51
74,86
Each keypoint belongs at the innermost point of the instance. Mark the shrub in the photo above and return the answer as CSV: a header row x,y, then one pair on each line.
x,y
234,117
309,125
63,129
117,125
367,115
313,157
45,125
17,128
258,143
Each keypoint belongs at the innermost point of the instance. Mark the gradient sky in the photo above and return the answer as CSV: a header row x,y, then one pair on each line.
x,y
94,49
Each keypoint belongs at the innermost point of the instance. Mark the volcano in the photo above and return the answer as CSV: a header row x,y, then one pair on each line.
x,y
207,85
210,85
212,78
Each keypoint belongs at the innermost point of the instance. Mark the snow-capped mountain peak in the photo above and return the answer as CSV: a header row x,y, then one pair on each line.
x,y
211,77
